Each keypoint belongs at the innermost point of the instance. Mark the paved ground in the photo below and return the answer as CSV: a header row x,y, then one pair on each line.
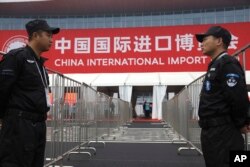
x,y
139,144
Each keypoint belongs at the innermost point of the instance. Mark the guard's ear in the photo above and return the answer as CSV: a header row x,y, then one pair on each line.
x,y
36,35
220,41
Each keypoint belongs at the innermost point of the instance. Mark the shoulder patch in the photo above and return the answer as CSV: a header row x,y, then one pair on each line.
x,y
232,79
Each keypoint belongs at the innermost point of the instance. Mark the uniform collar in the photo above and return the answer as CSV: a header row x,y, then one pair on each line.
x,y
218,57
41,60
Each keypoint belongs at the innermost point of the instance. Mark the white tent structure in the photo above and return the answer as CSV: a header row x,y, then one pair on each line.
x,y
126,81
137,79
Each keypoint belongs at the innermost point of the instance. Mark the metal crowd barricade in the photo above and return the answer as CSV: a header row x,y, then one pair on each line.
x,y
113,114
194,97
79,117
172,117
123,118
181,112
178,113
65,119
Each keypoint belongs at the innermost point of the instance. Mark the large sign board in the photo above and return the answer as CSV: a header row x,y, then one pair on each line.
x,y
118,50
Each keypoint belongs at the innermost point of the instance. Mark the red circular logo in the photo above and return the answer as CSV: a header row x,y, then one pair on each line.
x,y
15,42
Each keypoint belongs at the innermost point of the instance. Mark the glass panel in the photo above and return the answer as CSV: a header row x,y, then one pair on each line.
x,y
197,21
188,21
219,19
147,23
156,23
201,16
209,20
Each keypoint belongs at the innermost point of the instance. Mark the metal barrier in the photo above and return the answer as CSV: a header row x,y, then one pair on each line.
x,y
79,117
181,112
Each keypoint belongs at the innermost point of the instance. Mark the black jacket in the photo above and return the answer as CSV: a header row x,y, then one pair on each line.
x,y
224,91
21,86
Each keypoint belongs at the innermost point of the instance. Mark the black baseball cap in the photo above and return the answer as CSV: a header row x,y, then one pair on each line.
x,y
216,31
36,25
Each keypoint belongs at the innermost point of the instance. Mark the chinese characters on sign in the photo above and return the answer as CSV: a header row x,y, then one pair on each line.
x,y
82,45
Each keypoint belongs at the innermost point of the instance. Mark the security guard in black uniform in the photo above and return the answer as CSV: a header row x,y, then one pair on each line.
x,y
24,101
223,101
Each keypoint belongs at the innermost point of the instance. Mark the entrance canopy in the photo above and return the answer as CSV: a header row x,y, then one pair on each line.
x,y
137,79
140,79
